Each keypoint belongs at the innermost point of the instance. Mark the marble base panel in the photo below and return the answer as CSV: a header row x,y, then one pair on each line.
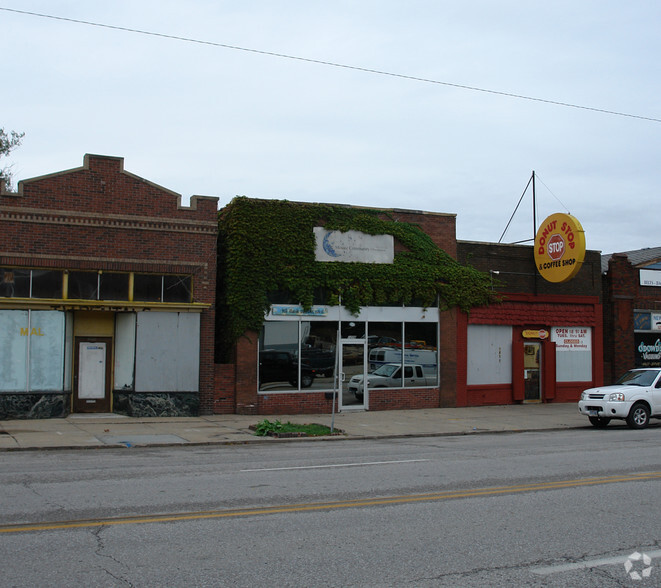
x,y
33,406
153,404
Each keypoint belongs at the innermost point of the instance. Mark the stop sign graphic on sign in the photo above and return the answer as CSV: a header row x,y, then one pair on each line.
x,y
556,247
559,247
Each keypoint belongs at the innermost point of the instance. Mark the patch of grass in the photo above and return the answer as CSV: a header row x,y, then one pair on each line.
x,y
267,427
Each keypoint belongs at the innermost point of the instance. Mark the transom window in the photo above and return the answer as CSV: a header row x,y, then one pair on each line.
x,y
94,285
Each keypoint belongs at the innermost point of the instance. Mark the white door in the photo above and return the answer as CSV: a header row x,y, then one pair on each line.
x,y
92,376
92,370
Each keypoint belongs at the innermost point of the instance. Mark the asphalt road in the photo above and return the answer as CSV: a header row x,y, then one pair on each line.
x,y
560,508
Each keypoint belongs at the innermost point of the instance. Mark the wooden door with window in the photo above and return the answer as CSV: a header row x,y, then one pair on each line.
x,y
92,374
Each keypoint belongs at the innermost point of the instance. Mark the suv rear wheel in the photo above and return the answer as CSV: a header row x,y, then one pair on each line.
x,y
639,416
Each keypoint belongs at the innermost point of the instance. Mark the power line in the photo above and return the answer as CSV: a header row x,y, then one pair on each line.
x,y
333,64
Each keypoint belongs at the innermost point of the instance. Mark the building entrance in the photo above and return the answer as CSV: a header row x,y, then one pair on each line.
x,y
91,390
532,363
352,363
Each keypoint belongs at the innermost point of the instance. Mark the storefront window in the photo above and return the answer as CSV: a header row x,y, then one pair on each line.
x,y
353,330
384,335
14,340
114,286
46,284
421,348
278,358
83,286
647,349
147,287
308,349
177,289
489,350
94,285
385,345
15,283
158,288
647,338
31,350
318,349
573,353
26,283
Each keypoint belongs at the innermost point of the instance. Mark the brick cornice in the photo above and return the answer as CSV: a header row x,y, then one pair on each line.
x,y
109,221
13,258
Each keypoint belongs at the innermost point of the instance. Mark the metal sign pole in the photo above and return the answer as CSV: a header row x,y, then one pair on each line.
x,y
336,379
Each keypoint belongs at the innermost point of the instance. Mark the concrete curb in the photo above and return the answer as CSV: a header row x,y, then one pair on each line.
x,y
253,440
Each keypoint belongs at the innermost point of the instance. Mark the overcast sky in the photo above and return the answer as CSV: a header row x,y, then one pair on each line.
x,y
199,118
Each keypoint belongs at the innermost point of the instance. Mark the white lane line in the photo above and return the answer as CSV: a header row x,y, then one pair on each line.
x,y
589,563
335,465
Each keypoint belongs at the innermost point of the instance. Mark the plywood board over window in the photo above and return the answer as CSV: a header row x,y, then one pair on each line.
x,y
167,356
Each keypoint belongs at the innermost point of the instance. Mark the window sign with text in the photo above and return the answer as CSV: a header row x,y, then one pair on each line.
x,y
572,338
647,350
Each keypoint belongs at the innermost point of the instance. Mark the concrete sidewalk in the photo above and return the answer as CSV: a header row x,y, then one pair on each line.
x,y
110,430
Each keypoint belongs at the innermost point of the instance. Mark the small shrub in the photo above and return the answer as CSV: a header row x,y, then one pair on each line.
x,y
267,427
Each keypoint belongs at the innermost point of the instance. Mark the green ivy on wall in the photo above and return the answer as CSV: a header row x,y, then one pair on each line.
x,y
268,246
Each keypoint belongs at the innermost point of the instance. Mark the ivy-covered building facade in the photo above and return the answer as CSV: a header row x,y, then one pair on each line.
x,y
326,303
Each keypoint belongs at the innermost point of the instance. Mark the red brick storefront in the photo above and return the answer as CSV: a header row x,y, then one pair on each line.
x,y
238,386
528,324
100,221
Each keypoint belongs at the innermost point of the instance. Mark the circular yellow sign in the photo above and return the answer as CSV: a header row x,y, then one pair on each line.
x,y
559,248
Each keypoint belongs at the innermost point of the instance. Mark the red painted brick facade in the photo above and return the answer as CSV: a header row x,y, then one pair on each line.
x,y
530,302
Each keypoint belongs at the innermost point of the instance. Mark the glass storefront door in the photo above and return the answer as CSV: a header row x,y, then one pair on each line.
x,y
532,363
352,358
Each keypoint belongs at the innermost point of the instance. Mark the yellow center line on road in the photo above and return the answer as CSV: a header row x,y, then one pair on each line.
x,y
315,506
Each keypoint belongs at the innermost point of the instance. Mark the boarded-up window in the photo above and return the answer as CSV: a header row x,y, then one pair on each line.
x,y
31,351
573,353
489,354
167,355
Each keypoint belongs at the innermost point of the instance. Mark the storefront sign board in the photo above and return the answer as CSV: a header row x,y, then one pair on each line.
x,y
559,248
650,277
353,246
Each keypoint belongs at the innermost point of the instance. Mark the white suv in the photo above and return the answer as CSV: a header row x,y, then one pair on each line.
x,y
635,397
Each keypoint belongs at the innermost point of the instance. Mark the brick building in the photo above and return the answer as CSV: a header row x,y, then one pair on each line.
x,y
632,310
107,295
542,343
115,297
297,356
